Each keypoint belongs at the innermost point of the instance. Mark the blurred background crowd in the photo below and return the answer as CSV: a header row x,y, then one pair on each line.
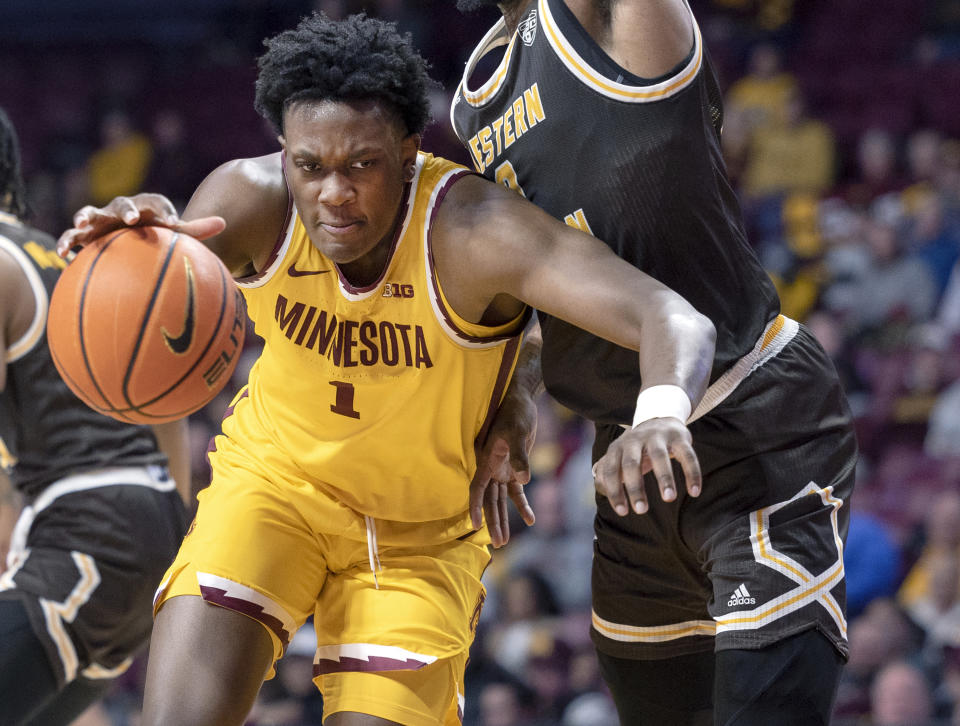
x,y
842,136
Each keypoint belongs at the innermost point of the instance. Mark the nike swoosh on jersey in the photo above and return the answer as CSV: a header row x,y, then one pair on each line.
x,y
181,343
294,272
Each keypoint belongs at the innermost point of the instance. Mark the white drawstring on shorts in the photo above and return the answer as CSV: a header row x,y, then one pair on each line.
x,y
373,554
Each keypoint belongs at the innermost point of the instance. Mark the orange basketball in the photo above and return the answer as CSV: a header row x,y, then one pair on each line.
x,y
146,325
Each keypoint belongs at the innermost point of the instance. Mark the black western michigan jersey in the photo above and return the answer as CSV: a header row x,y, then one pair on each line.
x,y
46,432
636,163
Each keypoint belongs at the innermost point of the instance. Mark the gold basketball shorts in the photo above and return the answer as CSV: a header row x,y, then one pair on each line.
x,y
395,604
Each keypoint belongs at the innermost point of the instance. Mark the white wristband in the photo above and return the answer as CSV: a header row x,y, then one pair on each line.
x,y
664,401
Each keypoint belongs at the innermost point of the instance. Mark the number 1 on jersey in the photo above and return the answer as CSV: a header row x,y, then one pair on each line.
x,y
344,401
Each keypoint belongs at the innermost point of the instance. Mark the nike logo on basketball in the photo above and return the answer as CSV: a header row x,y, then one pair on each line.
x,y
741,596
294,272
182,342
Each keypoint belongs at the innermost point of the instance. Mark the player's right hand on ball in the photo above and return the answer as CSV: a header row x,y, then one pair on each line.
x,y
618,475
154,210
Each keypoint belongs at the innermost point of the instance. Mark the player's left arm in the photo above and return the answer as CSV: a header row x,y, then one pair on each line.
x,y
13,286
173,439
14,290
516,252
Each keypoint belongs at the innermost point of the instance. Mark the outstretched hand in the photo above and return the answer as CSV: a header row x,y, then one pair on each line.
x,y
155,210
650,446
503,469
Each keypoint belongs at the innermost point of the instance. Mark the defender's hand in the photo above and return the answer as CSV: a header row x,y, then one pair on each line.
x,y
503,468
618,475
155,210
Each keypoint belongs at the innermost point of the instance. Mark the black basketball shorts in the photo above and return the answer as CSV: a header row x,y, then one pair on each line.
x,y
758,556
86,558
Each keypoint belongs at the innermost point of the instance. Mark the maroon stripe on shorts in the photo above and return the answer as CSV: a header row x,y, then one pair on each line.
x,y
219,596
372,664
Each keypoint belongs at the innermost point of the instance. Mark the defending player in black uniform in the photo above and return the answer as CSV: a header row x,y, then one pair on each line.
x,y
101,519
727,608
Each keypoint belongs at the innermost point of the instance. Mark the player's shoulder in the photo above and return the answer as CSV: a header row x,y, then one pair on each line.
x,y
259,175
251,195
16,291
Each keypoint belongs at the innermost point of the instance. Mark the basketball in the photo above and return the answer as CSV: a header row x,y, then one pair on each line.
x,y
146,325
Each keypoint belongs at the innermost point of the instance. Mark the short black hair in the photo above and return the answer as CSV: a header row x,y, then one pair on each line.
x,y
358,58
13,191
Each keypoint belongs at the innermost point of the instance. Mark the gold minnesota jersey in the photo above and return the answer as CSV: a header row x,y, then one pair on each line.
x,y
375,394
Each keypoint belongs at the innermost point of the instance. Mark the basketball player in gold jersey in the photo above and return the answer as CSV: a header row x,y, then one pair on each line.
x,y
390,288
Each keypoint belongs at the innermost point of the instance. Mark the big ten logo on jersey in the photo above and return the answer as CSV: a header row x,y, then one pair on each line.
x,y
398,289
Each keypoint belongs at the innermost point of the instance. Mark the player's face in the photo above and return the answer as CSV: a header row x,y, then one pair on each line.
x,y
346,165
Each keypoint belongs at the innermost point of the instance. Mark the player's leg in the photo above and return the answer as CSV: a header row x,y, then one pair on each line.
x,y
27,679
206,664
676,691
651,627
770,534
246,577
790,683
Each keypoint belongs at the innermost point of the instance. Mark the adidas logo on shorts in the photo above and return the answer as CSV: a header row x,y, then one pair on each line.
x,y
741,596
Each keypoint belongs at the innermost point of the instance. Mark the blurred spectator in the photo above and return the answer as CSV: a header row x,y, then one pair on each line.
x,y
908,382
882,634
948,313
793,254
942,23
828,329
119,166
547,674
96,715
173,169
900,696
551,549
938,611
889,289
950,675
791,152
942,440
923,158
529,615
933,239
876,169
589,709
871,561
483,672
948,176
763,92
942,539
504,703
